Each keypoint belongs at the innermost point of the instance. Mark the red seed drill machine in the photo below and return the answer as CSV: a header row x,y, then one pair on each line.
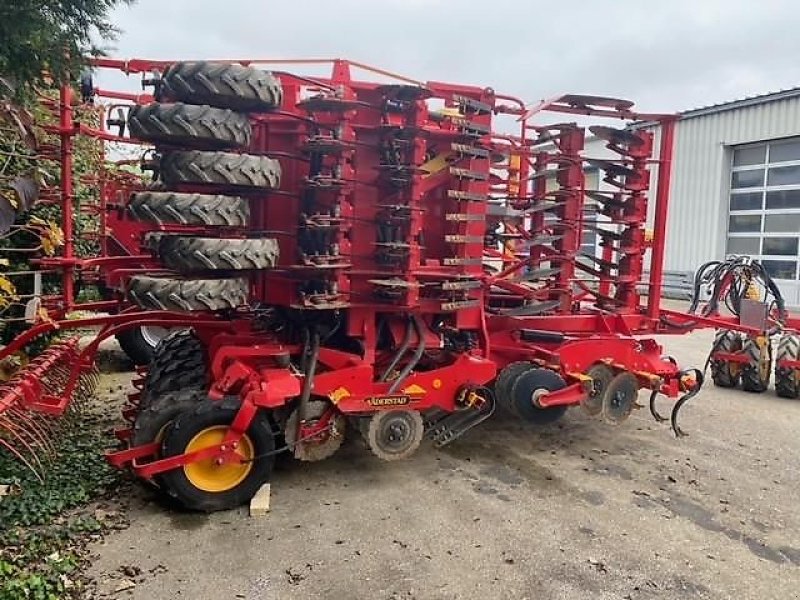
x,y
335,255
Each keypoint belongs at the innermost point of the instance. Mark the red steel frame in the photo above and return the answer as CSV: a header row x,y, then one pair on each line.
x,y
441,217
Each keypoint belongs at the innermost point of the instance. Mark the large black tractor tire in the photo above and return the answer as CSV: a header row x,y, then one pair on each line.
x,y
226,169
506,378
523,390
164,293
179,363
221,84
190,254
787,382
723,373
756,374
167,208
139,343
189,125
151,421
205,486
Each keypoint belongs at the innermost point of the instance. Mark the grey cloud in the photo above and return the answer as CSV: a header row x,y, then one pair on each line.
x,y
664,55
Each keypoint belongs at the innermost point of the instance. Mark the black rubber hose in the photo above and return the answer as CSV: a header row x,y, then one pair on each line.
x,y
414,359
400,352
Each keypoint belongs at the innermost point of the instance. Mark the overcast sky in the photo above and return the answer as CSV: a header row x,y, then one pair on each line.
x,y
666,55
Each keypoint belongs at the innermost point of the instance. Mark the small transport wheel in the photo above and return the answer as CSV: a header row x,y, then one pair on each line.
x,y
206,485
525,389
601,375
139,343
787,380
726,374
756,374
506,378
153,419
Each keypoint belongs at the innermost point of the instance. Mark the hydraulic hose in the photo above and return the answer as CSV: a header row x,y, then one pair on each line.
x,y
414,359
400,351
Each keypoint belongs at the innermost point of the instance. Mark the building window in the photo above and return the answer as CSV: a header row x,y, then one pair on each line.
x,y
764,205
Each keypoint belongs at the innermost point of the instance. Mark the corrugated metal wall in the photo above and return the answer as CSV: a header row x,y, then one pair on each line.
x,y
698,199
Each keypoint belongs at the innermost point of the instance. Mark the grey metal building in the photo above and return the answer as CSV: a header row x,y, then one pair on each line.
x,y
736,186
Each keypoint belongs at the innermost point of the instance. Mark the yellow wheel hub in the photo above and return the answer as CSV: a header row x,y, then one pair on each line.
x,y
207,475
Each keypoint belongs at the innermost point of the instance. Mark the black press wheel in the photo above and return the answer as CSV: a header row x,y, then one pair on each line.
x,y
787,381
205,485
756,373
508,375
726,374
527,386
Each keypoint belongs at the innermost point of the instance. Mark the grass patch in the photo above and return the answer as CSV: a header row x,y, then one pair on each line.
x,y
43,534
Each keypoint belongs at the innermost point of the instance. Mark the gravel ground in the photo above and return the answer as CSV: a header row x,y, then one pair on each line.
x,y
578,510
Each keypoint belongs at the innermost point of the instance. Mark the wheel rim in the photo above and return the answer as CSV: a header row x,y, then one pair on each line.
x,y
152,334
207,475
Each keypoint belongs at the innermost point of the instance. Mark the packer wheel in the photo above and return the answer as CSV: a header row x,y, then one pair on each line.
x,y
189,125
508,375
756,374
165,293
190,254
226,169
207,210
723,373
223,85
787,381
524,390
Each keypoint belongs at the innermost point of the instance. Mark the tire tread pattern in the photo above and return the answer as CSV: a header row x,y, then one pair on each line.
x,y
189,125
223,85
190,254
190,209
751,378
786,383
179,363
164,293
727,341
219,169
